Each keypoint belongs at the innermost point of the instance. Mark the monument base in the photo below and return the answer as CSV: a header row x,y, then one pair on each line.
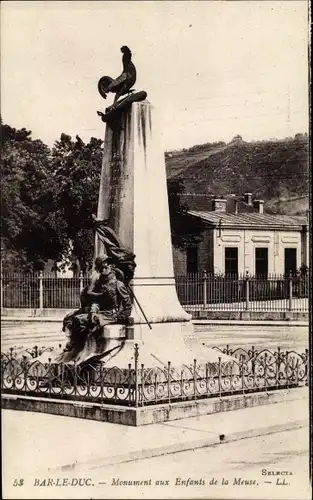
x,y
173,342
137,375
163,412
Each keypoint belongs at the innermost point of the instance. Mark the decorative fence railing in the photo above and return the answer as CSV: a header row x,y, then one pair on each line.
x,y
195,292
243,293
247,372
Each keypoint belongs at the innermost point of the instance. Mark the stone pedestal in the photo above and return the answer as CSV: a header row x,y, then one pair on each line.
x,y
173,342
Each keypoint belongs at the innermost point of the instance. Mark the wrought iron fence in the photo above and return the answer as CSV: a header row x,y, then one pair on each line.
x,y
42,290
201,291
204,291
247,371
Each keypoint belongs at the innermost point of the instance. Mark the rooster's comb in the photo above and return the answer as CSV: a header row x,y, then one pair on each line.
x,y
125,49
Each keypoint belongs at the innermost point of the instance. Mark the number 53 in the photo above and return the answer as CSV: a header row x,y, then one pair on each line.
x,y
18,482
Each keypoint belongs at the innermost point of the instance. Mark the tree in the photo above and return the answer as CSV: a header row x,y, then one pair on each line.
x,y
186,230
237,138
27,195
76,169
49,197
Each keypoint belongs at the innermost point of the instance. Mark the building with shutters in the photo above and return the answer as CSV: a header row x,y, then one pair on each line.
x,y
245,239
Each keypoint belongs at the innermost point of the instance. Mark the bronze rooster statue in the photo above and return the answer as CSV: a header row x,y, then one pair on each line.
x,y
123,84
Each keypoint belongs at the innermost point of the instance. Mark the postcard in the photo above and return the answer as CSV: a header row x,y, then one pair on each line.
x,y
155,249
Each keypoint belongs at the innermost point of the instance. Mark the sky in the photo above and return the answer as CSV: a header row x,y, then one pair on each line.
x,y
212,69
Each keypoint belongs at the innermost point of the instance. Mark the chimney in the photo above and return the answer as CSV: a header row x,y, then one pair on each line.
x,y
219,204
247,198
236,207
258,206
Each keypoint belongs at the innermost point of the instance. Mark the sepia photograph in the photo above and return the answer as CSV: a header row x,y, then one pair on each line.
x,y
155,249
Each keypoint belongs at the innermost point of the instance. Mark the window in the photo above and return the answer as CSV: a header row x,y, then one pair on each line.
x,y
261,262
192,260
290,261
231,260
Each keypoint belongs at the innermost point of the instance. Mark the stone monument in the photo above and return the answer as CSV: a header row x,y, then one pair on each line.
x,y
133,202
132,298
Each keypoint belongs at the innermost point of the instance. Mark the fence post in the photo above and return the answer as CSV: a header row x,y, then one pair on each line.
x,y
169,381
205,296
290,291
136,356
81,281
40,290
247,291
195,379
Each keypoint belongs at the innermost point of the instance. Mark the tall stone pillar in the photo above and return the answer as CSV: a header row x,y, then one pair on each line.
x,y
133,199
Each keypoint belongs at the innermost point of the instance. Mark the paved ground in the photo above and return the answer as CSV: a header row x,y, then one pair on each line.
x,y
42,441
245,460
45,440
29,333
288,336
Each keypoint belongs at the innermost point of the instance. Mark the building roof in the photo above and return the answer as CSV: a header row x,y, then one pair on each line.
x,y
204,202
245,220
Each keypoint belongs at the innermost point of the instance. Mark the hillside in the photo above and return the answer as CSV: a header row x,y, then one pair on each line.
x,y
276,171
